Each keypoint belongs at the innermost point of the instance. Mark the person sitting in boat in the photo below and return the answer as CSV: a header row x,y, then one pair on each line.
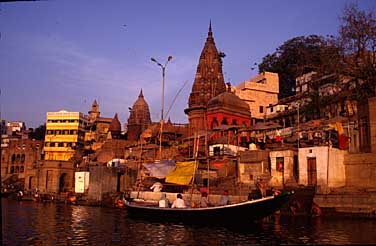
x,y
179,202
156,187
261,186
224,200
204,202
163,202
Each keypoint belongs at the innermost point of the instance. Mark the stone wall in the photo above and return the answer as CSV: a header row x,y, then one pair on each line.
x,y
361,170
107,180
372,122
55,176
348,203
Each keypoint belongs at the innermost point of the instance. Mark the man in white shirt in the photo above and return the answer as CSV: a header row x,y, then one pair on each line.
x,y
179,202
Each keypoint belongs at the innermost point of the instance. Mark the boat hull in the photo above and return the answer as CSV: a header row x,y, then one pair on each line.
x,y
242,212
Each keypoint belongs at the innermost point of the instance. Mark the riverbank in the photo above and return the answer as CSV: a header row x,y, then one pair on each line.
x,y
350,202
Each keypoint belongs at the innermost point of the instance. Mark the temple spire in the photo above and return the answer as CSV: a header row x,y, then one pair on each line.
x,y
210,33
141,94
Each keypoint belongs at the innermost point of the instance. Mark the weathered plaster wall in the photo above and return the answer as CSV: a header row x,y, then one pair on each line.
x,y
332,158
287,176
102,180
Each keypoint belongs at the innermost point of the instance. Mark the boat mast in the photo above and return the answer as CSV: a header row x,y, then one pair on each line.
x,y
195,151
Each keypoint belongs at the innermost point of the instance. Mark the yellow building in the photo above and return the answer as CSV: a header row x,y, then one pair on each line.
x,y
259,93
65,131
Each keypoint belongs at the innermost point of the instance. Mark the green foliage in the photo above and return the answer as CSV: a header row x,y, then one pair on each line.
x,y
357,40
298,56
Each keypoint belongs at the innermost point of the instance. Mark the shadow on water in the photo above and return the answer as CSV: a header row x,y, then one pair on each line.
x,y
29,223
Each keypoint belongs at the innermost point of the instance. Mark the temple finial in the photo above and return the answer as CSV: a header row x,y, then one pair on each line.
x,y
210,29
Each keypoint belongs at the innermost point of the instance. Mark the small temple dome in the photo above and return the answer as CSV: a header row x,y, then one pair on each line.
x,y
230,101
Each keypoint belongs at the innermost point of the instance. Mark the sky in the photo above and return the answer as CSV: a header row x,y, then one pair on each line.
x,y
64,54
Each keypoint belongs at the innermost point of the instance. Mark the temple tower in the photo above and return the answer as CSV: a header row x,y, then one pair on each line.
x,y
94,112
115,127
208,83
139,118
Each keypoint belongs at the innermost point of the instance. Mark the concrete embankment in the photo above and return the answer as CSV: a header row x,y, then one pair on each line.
x,y
360,204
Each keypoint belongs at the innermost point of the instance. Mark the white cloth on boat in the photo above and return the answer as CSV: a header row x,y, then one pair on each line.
x,y
156,187
160,169
163,202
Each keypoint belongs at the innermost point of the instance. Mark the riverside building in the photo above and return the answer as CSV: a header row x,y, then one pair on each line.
x,y
65,131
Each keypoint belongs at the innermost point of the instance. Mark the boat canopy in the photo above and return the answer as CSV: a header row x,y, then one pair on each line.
x,y
182,174
160,169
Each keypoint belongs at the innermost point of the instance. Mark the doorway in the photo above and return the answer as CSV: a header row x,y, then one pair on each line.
x,y
62,182
312,171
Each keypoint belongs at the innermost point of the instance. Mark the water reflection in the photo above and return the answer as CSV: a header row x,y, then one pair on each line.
x,y
28,223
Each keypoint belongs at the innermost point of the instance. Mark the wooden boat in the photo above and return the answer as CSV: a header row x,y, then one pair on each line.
x,y
247,211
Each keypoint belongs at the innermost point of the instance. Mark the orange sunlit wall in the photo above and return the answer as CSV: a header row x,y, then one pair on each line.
x,y
217,119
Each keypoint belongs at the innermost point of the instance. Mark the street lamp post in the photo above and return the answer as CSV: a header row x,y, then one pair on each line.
x,y
162,110
298,104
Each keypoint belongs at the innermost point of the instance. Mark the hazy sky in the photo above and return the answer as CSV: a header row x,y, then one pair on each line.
x,y
64,54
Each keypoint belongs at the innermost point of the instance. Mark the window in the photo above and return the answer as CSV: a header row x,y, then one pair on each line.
x,y
224,121
217,150
234,123
280,164
214,123
261,109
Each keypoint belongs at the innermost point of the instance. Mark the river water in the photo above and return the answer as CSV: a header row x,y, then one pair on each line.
x,y
30,223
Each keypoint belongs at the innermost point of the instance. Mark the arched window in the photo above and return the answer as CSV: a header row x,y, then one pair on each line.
x,y
214,123
224,121
21,169
18,157
12,169
13,158
17,169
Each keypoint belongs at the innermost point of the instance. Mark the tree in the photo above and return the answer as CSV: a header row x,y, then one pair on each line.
x,y
39,132
357,41
298,56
